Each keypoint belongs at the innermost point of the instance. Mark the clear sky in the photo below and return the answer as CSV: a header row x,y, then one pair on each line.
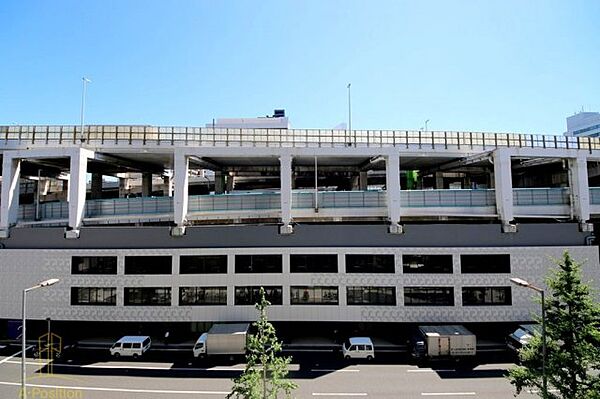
x,y
519,66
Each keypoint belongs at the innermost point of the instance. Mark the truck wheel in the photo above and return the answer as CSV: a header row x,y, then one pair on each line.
x,y
369,358
347,357
116,355
135,356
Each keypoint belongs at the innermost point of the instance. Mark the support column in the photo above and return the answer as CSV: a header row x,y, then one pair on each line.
x,y
230,185
168,192
504,190
392,184
580,192
362,181
219,182
146,184
439,180
285,171
11,170
180,201
96,192
123,187
77,189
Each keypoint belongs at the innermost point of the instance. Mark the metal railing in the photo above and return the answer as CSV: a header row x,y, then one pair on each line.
x,y
198,136
303,200
447,198
595,195
541,196
234,202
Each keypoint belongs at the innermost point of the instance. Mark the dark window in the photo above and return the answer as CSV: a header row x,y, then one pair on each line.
x,y
148,265
204,264
371,296
96,296
148,296
474,296
94,265
428,296
427,263
202,295
302,295
258,264
250,295
313,264
485,263
370,264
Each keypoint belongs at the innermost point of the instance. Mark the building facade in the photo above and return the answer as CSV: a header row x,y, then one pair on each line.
x,y
324,222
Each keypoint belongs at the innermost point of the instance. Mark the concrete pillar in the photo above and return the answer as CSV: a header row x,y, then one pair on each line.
x,y
180,201
168,191
146,184
439,180
123,187
504,189
96,192
285,171
230,185
77,178
362,181
392,183
580,191
219,182
9,202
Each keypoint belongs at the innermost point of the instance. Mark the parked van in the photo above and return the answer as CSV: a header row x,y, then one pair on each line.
x,y
131,345
358,348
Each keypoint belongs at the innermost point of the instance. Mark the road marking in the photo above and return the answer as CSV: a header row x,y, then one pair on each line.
x,y
430,371
334,370
16,354
447,393
105,389
339,394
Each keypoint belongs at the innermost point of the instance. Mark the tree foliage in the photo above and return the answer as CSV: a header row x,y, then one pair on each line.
x,y
265,375
573,340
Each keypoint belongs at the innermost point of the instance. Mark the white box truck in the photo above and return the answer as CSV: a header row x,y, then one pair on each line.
x,y
222,339
443,342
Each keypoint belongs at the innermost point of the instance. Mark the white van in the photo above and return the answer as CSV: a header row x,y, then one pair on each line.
x,y
358,348
131,345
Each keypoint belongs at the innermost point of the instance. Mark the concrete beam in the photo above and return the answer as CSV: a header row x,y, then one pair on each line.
x,y
180,201
96,192
579,190
392,183
77,191
146,184
503,188
286,194
9,203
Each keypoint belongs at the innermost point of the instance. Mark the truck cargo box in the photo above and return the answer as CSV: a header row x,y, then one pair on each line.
x,y
448,341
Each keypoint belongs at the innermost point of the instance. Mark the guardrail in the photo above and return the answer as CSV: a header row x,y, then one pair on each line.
x,y
595,195
199,136
303,200
447,198
541,196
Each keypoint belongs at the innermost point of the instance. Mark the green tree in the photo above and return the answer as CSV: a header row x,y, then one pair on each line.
x,y
265,376
573,340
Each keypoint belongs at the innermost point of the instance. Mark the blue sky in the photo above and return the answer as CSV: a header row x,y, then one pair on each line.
x,y
518,66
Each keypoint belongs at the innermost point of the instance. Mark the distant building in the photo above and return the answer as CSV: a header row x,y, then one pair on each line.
x,y
277,121
584,124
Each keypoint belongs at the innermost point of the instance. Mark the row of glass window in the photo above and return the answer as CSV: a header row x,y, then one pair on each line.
x,y
299,295
299,263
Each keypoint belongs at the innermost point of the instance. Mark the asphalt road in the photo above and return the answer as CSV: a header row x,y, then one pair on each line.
x,y
317,375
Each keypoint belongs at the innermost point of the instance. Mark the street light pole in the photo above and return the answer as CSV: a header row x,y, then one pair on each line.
x,y
523,283
46,283
349,112
84,83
